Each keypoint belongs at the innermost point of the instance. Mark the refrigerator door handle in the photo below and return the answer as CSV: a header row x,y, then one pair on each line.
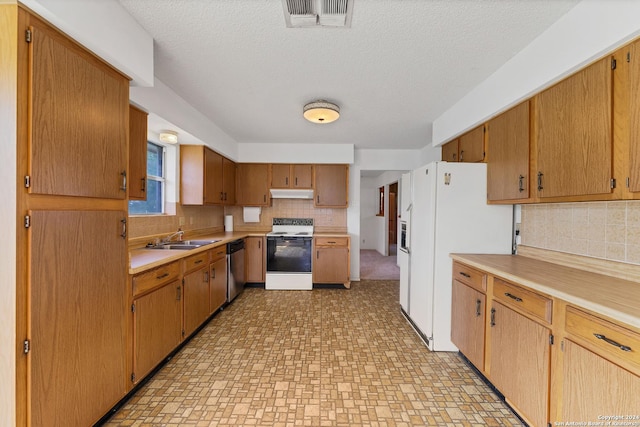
x,y
409,207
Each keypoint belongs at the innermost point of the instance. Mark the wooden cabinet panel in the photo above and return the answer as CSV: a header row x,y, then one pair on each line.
x,y
151,279
79,111
157,327
508,160
228,181
470,276
331,184
78,311
450,151
522,299
255,259
253,184
206,177
285,175
467,322
137,154
213,189
520,362
471,146
634,122
217,284
573,134
280,175
331,265
301,176
593,387
196,299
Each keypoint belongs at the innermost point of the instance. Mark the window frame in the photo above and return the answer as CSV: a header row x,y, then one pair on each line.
x,y
160,179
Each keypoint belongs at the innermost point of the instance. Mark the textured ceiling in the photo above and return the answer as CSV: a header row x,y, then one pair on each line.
x,y
400,65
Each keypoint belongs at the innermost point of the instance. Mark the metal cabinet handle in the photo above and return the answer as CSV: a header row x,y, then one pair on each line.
x,y
162,276
213,274
296,181
179,293
540,175
259,244
521,183
612,342
123,187
513,297
318,199
478,304
462,273
221,196
123,234
264,198
286,180
198,261
317,254
493,317
462,156
143,185
205,277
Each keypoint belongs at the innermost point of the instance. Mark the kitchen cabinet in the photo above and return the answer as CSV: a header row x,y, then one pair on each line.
x,y
291,176
471,146
253,184
77,309
450,151
157,323
71,151
196,291
206,177
255,259
573,134
331,183
634,116
217,278
468,307
508,159
331,262
519,364
137,154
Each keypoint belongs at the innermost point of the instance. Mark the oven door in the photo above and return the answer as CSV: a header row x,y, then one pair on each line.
x,y
288,254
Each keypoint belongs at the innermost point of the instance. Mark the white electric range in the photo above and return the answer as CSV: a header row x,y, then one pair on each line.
x,y
289,252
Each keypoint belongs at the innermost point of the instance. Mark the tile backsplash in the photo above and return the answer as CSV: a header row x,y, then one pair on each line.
x,y
195,218
608,230
328,219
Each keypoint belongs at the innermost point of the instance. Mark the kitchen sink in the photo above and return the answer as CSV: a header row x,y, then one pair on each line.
x,y
183,245
196,242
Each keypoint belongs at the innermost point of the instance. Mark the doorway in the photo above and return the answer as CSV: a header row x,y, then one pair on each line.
x,y
393,219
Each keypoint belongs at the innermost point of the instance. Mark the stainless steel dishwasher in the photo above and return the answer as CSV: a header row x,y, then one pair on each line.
x,y
235,269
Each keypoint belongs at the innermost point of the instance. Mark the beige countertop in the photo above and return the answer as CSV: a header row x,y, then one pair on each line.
x,y
145,259
616,298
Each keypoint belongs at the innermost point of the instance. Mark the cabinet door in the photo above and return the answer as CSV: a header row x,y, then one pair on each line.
x,y
467,322
331,183
78,117
157,327
137,154
229,181
634,138
519,365
331,265
253,184
213,172
471,146
196,299
301,176
255,259
218,284
508,161
450,151
280,175
78,311
593,386
573,134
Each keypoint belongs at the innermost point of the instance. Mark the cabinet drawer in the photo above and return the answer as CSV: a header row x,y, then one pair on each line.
x,y
528,301
332,241
153,278
470,276
218,253
607,336
196,261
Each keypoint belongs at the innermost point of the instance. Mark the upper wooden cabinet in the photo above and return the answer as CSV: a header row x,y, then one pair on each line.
x,y
471,146
573,134
206,177
331,184
137,154
253,184
508,159
78,115
291,175
634,116
450,151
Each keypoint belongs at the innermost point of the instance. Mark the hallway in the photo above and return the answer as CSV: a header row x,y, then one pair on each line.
x,y
324,357
375,266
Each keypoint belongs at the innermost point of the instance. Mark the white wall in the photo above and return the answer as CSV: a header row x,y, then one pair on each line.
x,y
295,153
588,31
369,222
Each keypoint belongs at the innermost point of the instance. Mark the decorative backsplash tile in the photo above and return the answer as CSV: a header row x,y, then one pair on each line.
x,y
195,218
608,230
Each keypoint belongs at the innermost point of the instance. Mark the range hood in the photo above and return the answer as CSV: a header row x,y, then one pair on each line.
x,y
284,193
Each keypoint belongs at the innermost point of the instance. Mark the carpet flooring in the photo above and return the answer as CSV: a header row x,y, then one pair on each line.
x,y
374,266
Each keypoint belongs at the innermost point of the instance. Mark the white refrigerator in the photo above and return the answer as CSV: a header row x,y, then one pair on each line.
x,y
404,246
449,214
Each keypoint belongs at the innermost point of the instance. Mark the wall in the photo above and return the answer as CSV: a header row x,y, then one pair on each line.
x,y
295,153
608,230
371,225
194,218
585,33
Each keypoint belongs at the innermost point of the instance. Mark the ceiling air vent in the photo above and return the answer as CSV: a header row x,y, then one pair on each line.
x,y
313,13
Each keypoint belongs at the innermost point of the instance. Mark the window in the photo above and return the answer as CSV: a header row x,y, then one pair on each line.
x,y
380,201
155,183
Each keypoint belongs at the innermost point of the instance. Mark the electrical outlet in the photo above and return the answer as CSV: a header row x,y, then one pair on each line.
x,y
181,221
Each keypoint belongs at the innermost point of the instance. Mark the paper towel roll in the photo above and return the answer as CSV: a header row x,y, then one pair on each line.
x,y
250,214
228,223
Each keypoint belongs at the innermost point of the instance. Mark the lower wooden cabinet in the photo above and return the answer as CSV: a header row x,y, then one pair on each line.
x,y
196,298
331,260
255,259
157,327
218,281
467,322
520,362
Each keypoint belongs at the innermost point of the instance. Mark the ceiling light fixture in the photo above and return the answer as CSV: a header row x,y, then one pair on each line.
x,y
169,137
321,112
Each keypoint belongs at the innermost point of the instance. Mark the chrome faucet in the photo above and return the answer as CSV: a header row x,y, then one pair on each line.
x,y
178,233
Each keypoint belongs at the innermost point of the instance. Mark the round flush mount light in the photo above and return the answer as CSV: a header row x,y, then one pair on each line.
x,y
321,112
169,137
